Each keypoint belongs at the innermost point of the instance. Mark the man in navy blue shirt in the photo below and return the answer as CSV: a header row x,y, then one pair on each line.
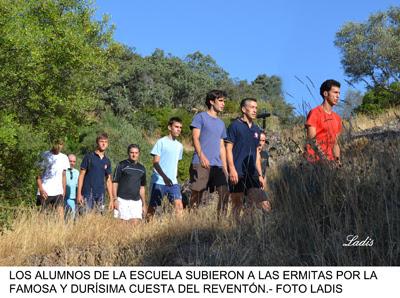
x,y
95,170
244,162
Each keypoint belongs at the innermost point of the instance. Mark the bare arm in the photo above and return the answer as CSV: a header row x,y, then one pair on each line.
x,y
196,143
42,192
311,132
156,165
110,192
142,193
259,168
115,191
223,157
336,150
233,175
64,183
81,177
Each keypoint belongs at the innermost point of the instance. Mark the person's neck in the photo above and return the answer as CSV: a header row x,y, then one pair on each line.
x,y
212,113
327,107
55,152
99,153
132,160
171,137
248,120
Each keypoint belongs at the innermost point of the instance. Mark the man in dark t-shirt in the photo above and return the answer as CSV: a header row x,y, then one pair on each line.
x,y
244,162
129,182
95,172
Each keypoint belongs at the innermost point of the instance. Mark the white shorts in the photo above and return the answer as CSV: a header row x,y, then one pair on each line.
x,y
128,209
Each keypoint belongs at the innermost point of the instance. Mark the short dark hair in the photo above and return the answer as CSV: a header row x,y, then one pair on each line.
x,y
174,119
101,136
245,100
213,95
133,146
327,85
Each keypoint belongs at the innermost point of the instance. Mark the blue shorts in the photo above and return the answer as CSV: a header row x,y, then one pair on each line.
x,y
158,191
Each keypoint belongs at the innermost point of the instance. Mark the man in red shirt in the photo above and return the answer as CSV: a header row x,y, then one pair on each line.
x,y
324,126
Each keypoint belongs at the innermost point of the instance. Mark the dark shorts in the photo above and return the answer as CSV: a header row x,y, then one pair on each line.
x,y
158,191
94,202
50,202
244,185
201,178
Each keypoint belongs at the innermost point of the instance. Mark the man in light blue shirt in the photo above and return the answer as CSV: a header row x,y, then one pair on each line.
x,y
72,186
166,153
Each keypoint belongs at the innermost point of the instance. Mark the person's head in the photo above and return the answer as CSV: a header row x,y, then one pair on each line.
x,y
57,146
72,160
330,91
248,107
175,126
102,141
263,139
133,152
215,99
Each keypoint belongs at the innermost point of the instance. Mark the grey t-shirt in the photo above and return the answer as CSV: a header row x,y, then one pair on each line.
x,y
212,131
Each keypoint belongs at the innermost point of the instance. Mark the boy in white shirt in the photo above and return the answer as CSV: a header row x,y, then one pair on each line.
x,y
52,181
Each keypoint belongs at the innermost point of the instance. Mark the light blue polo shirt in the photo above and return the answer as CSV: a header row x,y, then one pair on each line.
x,y
170,152
72,183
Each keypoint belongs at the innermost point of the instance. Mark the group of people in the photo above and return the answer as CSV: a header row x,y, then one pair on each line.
x,y
228,161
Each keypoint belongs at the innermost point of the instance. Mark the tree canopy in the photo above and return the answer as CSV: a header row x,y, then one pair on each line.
x,y
371,50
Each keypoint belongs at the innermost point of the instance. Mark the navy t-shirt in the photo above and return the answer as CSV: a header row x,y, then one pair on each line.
x,y
245,141
96,170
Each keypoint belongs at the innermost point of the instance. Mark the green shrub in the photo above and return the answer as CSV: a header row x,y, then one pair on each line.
x,y
152,120
121,133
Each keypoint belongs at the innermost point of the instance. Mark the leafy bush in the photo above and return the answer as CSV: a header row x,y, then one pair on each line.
x,y
121,133
378,99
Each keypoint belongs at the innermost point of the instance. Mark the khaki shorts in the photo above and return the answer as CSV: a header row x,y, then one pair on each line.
x,y
202,179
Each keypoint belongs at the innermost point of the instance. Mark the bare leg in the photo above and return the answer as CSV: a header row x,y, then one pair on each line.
x,y
150,212
60,211
178,205
223,199
195,198
237,205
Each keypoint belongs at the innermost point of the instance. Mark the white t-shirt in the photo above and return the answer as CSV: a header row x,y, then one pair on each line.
x,y
53,167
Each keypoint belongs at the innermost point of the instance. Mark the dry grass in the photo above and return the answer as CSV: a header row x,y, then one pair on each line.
x,y
315,208
364,122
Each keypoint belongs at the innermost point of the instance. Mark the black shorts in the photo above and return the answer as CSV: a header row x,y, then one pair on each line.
x,y
244,184
51,201
202,179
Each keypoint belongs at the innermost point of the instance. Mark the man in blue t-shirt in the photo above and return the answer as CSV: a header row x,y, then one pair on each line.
x,y
244,162
95,171
208,168
72,186
166,153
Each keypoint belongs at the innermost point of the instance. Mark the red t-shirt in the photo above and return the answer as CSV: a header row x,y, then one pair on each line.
x,y
328,127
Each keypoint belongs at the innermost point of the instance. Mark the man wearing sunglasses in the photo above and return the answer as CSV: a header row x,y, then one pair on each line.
x,y
72,186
